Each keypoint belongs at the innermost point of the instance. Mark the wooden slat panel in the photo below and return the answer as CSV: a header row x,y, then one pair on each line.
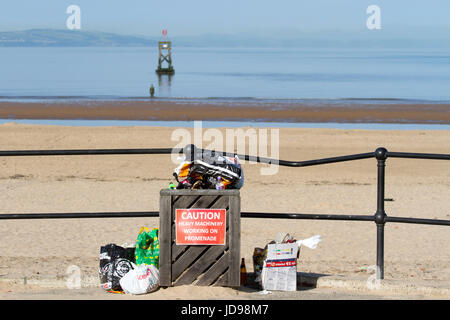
x,y
200,265
177,250
185,202
210,276
204,202
235,242
191,252
174,199
165,241
214,272
186,259
224,279
203,263
221,203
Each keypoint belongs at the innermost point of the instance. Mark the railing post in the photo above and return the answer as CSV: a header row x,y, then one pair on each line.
x,y
380,215
190,151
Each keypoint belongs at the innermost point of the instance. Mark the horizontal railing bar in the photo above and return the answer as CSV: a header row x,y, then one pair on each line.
x,y
418,221
81,215
306,163
306,216
411,155
156,214
18,153
241,156
267,215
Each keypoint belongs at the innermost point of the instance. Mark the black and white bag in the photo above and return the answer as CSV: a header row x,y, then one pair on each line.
x,y
210,169
114,264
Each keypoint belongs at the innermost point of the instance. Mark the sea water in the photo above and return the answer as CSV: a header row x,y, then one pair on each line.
x,y
245,73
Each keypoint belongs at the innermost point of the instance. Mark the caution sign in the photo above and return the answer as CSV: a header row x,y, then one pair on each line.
x,y
200,226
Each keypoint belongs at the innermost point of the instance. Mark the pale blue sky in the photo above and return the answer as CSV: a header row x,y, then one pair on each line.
x,y
196,17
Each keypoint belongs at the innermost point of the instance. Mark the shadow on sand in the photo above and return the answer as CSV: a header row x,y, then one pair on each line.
x,y
305,281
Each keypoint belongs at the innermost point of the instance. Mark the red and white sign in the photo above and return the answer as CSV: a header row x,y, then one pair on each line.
x,y
200,226
281,263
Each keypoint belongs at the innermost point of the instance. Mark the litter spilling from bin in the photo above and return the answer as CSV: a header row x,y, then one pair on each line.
x,y
275,266
135,268
207,170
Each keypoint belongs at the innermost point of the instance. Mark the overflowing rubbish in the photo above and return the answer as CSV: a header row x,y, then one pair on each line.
x,y
133,269
243,270
143,279
265,292
310,243
115,262
208,170
115,291
275,266
279,271
259,255
147,247
172,186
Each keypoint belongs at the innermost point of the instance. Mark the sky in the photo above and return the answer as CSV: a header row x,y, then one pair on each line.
x,y
258,17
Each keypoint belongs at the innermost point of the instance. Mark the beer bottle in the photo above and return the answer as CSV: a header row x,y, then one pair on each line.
x,y
243,273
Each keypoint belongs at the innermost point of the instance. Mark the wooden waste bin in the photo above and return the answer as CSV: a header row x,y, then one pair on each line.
x,y
199,237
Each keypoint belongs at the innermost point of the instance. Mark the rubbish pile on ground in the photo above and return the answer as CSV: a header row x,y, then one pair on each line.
x,y
207,170
275,266
133,269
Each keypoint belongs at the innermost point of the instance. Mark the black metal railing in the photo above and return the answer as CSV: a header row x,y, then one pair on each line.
x,y
380,217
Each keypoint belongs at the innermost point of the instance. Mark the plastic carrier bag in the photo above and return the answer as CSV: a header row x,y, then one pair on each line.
x,y
147,247
268,264
210,171
115,262
142,279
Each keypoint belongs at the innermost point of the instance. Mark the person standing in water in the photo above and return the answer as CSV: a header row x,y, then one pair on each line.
x,y
152,91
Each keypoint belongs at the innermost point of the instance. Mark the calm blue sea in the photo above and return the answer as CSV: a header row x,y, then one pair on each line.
x,y
233,73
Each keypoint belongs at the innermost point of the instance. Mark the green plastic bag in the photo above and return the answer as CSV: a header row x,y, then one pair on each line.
x,y
147,247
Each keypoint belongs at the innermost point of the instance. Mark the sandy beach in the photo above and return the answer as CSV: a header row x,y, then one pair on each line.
x,y
39,249
186,110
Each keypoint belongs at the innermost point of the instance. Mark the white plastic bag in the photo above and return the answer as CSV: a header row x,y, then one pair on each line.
x,y
142,279
310,242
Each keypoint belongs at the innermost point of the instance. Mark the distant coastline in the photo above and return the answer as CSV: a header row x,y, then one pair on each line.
x,y
46,37
68,38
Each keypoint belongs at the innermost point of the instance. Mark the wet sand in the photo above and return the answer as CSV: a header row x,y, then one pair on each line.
x,y
185,110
